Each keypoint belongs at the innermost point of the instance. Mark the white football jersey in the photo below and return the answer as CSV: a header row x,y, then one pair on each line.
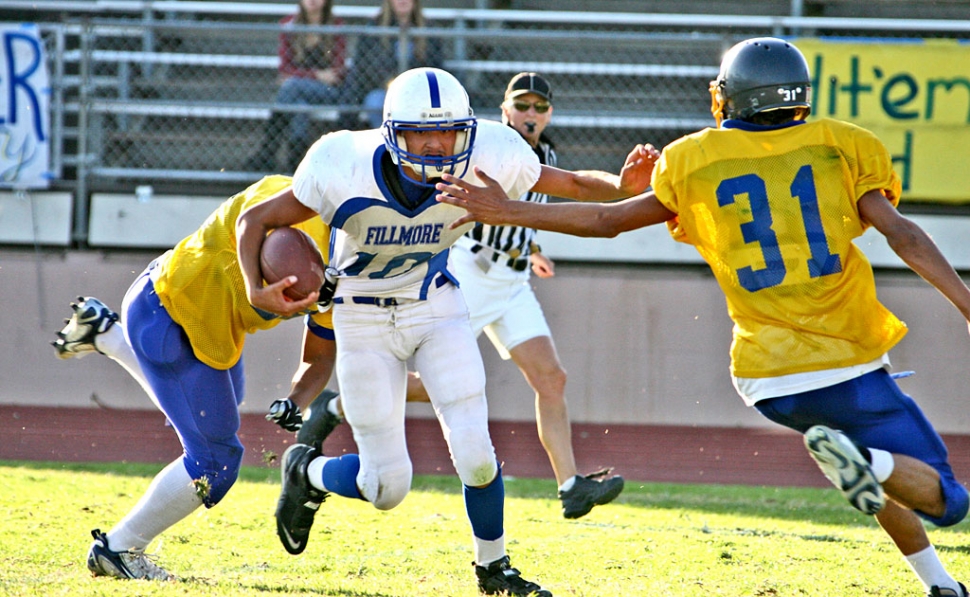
x,y
381,247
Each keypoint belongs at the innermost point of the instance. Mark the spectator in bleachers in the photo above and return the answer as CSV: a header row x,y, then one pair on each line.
x,y
312,72
379,59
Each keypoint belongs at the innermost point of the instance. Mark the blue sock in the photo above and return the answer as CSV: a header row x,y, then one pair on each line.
x,y
340,476
486,509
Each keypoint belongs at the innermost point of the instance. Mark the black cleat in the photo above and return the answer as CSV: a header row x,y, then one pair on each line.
x,y
500,578
938,592
299,501
587,492
319,422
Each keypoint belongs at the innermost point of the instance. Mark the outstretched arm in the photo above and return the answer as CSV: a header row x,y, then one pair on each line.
x,y
490,205
595,185
915,248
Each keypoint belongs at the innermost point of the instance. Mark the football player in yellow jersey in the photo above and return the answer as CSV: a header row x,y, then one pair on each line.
x,y
772,202
180,335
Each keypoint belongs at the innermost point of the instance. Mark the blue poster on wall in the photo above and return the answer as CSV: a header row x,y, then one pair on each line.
x,y
25,94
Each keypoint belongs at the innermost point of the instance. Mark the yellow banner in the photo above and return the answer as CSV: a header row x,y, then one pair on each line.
x,y
913,94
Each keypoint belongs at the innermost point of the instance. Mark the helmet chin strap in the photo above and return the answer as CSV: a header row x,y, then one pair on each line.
x,y
717,103
420,170
425,173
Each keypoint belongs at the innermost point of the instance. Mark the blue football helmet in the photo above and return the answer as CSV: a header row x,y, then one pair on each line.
x,y
758,75
428,98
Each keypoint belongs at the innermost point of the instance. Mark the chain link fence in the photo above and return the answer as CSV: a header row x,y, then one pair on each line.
x,y
166,98
170,96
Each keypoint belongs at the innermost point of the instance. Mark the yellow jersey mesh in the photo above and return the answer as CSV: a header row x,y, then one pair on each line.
x,y
201,286
776,227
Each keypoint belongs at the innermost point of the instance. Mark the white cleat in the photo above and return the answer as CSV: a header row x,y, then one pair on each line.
x,y
91,317
846,467
131,564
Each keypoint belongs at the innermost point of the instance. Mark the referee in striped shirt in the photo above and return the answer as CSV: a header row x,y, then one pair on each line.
x,y
493,264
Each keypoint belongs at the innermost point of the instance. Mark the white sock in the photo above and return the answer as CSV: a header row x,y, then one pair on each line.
x,y
882,464
569,483
487,552
170,498
332,408
113,344
927,566
314,470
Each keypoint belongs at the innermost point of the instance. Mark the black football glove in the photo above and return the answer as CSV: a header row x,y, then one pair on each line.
x,y
285,413
325,299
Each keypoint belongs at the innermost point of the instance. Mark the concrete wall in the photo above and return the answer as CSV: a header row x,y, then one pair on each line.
x,y
643,344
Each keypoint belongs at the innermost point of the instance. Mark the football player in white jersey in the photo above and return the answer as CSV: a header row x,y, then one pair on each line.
x,y
396,299
492,264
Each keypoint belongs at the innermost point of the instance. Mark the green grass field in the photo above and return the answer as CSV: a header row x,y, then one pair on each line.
x,y
656,540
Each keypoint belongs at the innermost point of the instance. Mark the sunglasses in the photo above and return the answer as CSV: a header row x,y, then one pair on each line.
x,y
541,107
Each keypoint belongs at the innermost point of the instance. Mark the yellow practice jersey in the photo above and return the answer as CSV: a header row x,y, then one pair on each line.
x,y
773,211
202,287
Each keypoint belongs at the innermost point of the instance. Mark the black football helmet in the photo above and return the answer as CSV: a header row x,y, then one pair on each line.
x,y
758,75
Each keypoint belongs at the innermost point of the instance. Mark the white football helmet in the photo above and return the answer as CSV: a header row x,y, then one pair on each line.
x,y
429,98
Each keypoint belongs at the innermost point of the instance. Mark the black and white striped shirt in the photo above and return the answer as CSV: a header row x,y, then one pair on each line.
x,y
516,241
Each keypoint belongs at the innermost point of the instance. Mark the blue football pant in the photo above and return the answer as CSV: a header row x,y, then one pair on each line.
x,y
873,411
201,403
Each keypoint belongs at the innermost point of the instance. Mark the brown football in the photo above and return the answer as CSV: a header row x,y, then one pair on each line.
x,y
291,252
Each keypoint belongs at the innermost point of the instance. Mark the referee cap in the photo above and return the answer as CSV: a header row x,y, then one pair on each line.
x,y
523,83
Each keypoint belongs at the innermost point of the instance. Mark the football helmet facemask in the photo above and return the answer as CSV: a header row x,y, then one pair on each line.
x,y
428,98
758,75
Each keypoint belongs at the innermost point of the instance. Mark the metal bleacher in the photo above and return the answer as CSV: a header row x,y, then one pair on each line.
x,y
160,93
174,91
